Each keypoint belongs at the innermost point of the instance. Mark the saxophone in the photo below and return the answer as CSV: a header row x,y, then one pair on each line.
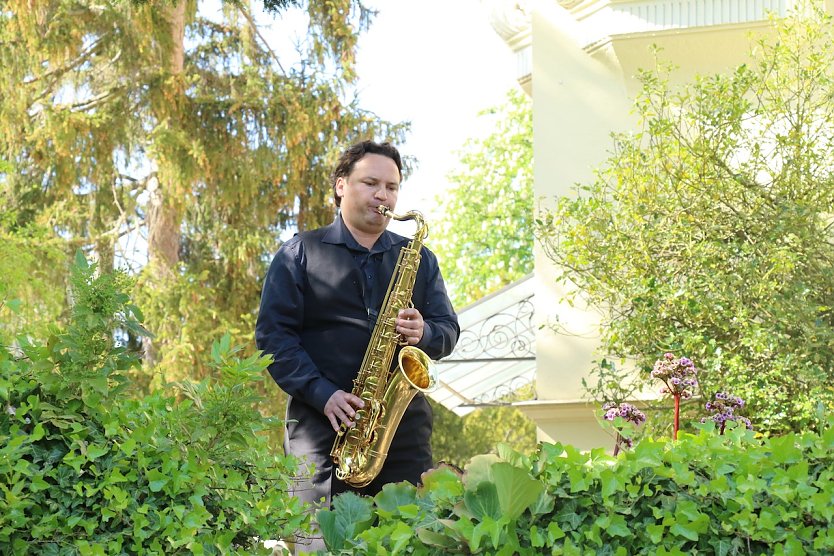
x,y
359,451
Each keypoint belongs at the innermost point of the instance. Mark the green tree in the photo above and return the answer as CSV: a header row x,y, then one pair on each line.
x,y
484,238
186,127
708,232
484,241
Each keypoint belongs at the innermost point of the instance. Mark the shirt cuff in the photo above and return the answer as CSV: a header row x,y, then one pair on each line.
x,y
321,392
427,336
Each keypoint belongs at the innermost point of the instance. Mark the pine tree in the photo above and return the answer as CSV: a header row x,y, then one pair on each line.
x,y
127,117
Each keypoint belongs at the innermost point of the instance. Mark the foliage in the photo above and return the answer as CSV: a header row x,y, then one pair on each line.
x,y
31,281
709,230
484,237
456,439
85,469
704,494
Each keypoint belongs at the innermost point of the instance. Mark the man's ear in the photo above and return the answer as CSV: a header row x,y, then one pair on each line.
x,y
340,186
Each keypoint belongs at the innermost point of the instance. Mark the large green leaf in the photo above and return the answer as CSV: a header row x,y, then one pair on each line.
x,y
351,514
483,501
442,483
479,469
393,497
516,489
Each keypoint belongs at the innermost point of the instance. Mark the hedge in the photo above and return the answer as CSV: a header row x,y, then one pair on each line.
x,y
705,493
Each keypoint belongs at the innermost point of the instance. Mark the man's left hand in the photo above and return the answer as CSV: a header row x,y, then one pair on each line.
x,y
410,325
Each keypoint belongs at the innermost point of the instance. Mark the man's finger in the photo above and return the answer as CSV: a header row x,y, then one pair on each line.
x,y
333,422
343,417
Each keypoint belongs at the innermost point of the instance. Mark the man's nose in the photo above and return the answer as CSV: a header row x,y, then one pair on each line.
x,y
381,193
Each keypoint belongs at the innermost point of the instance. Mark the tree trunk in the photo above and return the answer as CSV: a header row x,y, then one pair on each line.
x,y
163,231
163,216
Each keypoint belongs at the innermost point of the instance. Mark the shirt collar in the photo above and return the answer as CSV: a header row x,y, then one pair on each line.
x,y
339,234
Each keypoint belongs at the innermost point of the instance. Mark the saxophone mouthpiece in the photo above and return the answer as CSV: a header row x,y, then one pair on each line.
x,y
383,210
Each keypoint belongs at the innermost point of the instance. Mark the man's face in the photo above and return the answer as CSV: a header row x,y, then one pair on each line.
x,y
374,181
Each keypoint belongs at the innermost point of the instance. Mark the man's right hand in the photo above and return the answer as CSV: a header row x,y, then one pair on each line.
x,y
341,408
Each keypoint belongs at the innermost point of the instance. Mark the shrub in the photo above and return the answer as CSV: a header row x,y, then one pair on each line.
x,y
85,469
705,493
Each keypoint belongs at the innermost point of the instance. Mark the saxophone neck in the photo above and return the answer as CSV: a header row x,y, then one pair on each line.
x,y
417,216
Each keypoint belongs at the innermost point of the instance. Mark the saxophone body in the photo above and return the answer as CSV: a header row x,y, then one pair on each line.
x,y
359,452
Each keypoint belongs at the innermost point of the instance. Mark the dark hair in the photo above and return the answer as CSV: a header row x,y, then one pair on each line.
x,y
354,154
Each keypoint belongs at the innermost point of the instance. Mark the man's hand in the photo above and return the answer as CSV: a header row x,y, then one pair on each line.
x,y
341,408
410,325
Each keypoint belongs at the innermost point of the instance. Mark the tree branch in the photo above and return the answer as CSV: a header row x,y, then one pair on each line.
x,y
257,32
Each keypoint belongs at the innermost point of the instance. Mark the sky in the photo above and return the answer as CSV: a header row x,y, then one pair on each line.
x,y
437,64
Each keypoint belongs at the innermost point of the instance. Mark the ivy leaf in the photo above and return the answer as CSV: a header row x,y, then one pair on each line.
x,y
156,480
544,504
649,453
554,532
723,547
684,530
433,538
655,531
96,451
617,527
196,518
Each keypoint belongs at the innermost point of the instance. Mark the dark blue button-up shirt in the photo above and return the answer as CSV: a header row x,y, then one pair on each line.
x,y
319,305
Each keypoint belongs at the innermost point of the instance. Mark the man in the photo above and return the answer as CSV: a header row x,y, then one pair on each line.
x,y
319,305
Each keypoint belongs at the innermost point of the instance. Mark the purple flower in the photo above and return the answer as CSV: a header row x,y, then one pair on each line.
x,y
625,410
677,375
723,407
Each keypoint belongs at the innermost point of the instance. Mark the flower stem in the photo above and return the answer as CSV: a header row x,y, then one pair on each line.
x,y
617,444
677,415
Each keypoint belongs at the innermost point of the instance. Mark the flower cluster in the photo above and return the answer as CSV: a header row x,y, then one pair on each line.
x,y
678,375
625,410
724,407
630,414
